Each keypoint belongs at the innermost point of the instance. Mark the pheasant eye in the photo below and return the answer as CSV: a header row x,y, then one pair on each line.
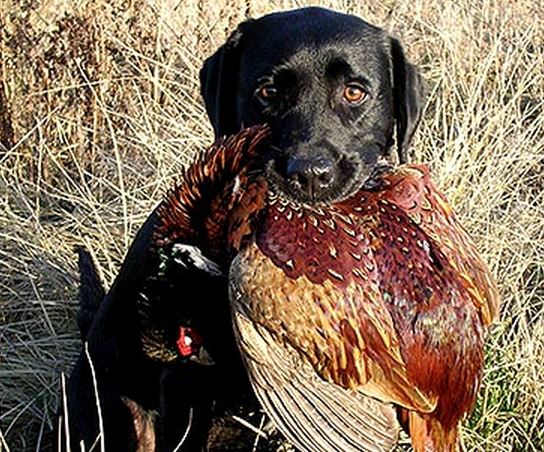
x,y
354,94
267,93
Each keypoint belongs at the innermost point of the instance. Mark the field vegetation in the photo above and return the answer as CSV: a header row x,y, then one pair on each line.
x,y
100,109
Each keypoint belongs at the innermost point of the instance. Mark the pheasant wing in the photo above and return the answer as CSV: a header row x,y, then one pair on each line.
x,y
315,415
413,191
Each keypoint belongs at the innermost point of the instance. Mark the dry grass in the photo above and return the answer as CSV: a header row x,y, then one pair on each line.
x,y
99,110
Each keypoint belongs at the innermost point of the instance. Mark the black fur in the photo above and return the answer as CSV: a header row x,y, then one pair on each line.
x,y
179,395
309,55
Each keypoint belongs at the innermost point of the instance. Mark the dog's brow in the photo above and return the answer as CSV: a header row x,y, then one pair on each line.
x,y
338,65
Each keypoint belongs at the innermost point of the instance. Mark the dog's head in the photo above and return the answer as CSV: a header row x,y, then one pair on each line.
x,y
335,90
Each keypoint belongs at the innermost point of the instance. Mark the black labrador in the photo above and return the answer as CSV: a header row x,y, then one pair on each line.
x,y
332,87
339,96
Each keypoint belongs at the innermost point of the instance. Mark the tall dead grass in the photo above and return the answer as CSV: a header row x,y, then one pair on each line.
x,y
99,111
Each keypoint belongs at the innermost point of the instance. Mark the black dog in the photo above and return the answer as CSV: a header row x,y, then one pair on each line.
x,y
331,86
336,93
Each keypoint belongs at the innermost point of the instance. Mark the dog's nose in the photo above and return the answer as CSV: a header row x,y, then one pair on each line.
x,y
312,176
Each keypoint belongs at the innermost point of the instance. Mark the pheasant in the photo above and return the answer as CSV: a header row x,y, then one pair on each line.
x,y
347,315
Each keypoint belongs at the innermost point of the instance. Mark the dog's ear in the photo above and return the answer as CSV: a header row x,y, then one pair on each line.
x,y
408,98
218,82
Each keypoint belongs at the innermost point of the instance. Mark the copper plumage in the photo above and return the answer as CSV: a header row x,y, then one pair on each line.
x,y
346,314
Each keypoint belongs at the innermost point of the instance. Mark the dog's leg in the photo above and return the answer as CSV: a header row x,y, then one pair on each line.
x,y
186,404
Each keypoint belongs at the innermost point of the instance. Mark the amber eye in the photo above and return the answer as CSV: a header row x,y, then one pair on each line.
x,y
267,93
354,94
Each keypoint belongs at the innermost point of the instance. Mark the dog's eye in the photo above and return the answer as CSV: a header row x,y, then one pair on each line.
x,y
354,94
267,93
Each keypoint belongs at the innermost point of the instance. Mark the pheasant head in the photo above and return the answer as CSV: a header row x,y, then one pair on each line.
x,y
188,250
